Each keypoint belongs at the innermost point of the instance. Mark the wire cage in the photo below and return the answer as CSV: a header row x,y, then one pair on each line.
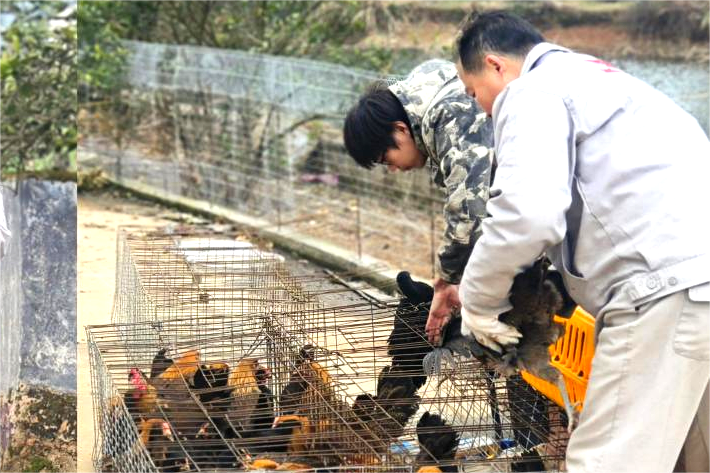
x,y
337,399
165,274
222,357
502,424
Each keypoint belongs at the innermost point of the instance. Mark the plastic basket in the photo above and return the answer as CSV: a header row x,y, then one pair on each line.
x,y
572,356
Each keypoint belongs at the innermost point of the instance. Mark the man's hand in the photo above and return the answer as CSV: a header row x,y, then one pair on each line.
x,y
488,330
446,299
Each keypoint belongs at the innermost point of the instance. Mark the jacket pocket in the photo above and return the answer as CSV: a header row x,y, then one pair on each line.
x,y
574,281
692,332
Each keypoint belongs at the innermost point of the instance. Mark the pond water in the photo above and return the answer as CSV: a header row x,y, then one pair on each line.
x,y
687,83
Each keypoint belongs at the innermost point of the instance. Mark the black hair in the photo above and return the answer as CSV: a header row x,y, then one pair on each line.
x,y
368,127
494,32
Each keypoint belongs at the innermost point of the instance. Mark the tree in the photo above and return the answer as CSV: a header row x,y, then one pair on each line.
x,y
38,71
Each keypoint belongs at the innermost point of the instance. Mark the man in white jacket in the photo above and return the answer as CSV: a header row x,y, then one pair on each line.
x,y
608,177
4,231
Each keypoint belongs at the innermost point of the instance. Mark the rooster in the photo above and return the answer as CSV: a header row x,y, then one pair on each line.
x,y
210,382
307,383
143,400
438,443
173,387
182,368
148,397
244,394
287,434
240,403
536,298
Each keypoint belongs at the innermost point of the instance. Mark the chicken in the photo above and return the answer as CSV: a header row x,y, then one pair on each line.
x,y
210,384
142,399
288,434
160,363
209,450
263,415
536,298
529,460
380,419
170,395
244,394
148,397
304,443
301,432
302,465
396,396
233,410
157,436
438,443
262,464
407,343
308,383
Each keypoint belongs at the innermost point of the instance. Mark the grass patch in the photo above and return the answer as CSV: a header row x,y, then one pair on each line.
x,y
672,20
37,463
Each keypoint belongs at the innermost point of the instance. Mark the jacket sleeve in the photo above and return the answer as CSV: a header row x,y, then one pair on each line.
x,y
4,231
465,164
529,197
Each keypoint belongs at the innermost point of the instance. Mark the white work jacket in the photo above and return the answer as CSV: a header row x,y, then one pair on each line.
x,y
602,172
4,231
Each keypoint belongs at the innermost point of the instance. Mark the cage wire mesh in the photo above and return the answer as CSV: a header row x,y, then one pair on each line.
x,y
260,135
180,385
244,389
165,274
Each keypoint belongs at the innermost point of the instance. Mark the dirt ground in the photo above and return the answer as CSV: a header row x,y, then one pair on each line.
x,y
44,430
605,41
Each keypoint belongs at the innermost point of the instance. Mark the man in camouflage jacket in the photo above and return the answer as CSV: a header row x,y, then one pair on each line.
x,y
427,118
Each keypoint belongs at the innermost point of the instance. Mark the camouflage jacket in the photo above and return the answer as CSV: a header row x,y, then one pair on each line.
x,y
452,131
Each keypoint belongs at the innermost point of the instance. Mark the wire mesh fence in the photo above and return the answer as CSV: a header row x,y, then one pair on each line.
x,y
260,135
214,367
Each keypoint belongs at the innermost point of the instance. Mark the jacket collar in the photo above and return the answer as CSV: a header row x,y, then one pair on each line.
x,y
536,53
531,61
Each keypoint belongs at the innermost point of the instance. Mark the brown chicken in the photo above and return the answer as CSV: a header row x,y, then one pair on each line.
x,y
244,394
148,397
157,437
308,384
302,434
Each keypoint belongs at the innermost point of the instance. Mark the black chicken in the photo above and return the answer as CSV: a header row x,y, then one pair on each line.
x,y
437,444
536,296
407,343
396,402
263,416
160,363
210,381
